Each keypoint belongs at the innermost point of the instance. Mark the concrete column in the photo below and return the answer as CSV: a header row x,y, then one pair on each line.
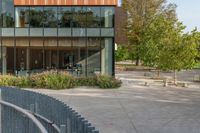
x,y
106,57
4,60
17,18
108,18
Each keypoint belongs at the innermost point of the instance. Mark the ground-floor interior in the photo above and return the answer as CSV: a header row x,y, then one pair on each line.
x,y
78,56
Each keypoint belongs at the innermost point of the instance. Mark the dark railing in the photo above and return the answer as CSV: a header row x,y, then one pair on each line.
x,y
24,111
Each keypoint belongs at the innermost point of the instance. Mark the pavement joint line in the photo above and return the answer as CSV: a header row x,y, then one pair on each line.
x,y
126,113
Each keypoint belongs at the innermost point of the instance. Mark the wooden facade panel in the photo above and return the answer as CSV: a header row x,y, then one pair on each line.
x,y
64,2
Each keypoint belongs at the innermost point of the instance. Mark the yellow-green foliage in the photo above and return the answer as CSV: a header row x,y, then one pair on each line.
x,y
107,82
58,80
7,80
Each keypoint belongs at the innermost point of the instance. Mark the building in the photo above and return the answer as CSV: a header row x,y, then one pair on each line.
x,y
71,35
120,23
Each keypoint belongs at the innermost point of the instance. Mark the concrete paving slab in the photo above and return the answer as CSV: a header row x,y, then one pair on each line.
x,y
135,108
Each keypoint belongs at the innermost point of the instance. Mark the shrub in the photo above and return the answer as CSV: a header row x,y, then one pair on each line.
x,y
107,82
85,81
21,82
52,80
6,80
61,80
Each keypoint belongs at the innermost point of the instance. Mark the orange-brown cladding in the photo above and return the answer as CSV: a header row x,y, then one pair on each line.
x,y
64,2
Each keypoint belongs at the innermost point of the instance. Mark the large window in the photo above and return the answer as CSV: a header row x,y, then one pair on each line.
x,y
65,53
93,17
36,16
94,56
7,13
79,56
7,55
36,54
107,17
53,16
79,17
22,17
64,17
50,17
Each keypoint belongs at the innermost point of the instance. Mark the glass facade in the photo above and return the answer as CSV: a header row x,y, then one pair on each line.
x,y
21,17
64,17
7,13
53,17
77,39
36,15
50,17
93,17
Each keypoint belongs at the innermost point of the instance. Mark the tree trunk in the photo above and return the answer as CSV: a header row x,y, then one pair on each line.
x,y
138,61
175,77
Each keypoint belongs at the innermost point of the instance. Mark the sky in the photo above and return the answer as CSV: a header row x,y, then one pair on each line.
x,y
188,12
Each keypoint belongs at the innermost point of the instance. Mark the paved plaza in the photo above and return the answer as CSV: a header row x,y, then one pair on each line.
x,y
135,108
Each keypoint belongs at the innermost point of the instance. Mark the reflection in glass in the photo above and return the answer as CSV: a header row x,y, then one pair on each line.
x,y
93,59
7,14
36,54
50,17
7,55
51,57
79,17
107,17
64,17
79,56
107,56
22,17
36,17
93,17
65,53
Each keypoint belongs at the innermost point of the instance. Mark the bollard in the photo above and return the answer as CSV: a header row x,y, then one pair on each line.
x,y
165,83
146,84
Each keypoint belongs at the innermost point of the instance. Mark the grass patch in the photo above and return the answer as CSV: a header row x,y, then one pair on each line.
x,y
58,80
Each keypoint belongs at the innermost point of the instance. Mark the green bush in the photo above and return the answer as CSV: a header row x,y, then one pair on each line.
x,y
7,80
85,81
52,80
21,82
61,80
107,82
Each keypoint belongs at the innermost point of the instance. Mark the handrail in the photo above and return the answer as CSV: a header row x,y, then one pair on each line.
x,y
27,114
47,121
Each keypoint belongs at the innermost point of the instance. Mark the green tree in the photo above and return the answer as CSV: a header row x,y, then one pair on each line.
x,y
166,47
141,13
197,38
121,53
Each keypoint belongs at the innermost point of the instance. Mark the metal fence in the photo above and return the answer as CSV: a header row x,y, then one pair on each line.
x,y
23,111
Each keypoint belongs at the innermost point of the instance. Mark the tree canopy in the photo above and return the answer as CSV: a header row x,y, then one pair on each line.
x,y
157,37
141,13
